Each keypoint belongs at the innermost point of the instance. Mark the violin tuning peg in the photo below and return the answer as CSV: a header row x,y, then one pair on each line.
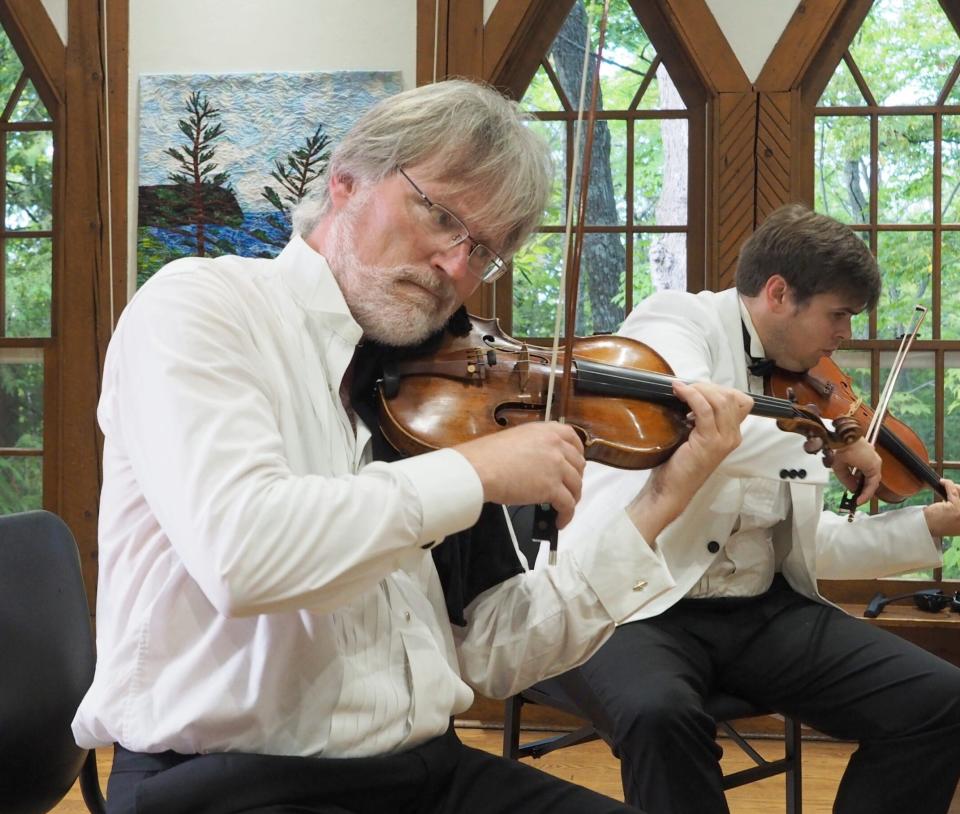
x,y
813,445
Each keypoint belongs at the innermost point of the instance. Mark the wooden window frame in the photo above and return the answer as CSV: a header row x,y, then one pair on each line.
x,y
50,96
84,86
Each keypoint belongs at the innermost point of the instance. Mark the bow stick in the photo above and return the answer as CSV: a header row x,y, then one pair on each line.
x,y
848,503
545,517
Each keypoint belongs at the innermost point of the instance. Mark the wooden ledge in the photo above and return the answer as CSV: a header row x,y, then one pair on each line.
x,y
905,615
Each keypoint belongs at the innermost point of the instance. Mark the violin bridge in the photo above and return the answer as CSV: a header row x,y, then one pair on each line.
x,y
854,407
522,367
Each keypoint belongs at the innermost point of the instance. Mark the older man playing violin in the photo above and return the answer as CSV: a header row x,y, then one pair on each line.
x,y
272,631
745,615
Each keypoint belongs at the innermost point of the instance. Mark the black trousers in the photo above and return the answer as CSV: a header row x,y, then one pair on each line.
x,y
645,688
440,777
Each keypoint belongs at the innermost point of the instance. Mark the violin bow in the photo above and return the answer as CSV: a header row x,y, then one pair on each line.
x,y
848,503
544,524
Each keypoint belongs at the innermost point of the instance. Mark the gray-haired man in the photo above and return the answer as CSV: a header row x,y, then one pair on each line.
x,y
272,631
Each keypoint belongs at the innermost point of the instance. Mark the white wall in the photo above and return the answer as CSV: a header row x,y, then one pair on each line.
x,y
752,27
57,11
223,36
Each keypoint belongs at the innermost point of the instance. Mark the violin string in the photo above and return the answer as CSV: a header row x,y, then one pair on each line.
x,y
662,384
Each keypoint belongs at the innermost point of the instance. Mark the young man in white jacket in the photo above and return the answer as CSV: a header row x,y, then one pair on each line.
x,y
745,615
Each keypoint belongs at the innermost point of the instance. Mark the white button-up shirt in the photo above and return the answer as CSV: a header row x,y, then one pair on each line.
x,y
263,586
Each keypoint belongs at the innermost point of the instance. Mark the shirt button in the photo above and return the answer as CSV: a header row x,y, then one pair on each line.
x,y
713,546
784,474
641,584
406,616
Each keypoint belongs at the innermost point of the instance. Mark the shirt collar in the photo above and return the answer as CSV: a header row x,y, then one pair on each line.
x,y
756,346
308,277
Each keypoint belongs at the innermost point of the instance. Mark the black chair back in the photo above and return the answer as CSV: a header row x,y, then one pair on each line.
x,y
47,663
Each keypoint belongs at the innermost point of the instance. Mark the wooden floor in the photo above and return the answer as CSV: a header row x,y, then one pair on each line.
x,y
593,766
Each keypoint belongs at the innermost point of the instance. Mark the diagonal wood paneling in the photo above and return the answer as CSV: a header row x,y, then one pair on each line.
x,y
774,150
736,176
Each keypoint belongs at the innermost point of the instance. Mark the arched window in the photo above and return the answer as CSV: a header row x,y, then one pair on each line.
x,y
887,161
646,212
26,279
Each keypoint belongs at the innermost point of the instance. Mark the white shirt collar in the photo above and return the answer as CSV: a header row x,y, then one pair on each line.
x,y
308,277
756,346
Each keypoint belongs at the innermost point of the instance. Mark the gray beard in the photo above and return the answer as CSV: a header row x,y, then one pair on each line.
x,y
380,308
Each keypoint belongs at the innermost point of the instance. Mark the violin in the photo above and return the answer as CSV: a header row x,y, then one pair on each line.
x,y
621,401
826,389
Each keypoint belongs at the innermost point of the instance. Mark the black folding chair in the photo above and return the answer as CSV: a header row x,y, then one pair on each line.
x,y
48,662
725,709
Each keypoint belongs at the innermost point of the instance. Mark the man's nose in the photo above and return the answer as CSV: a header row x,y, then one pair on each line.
x,y
454,261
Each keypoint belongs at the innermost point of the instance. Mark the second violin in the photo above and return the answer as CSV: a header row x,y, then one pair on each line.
x,y
826,389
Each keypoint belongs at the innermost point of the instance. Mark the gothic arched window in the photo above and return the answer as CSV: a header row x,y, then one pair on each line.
x,y
26,279
644,224
887,162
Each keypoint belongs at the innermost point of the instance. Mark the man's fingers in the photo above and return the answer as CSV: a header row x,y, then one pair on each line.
x,y
722,406
870,485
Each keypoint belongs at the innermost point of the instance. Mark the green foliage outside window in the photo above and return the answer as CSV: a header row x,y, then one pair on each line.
x,y
627,59
27,255
29,270
21,427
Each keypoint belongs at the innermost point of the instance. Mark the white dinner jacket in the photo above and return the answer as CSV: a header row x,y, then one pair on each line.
x,y
700,336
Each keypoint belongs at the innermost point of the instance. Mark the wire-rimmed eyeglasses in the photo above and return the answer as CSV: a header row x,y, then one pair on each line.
x,y
482,261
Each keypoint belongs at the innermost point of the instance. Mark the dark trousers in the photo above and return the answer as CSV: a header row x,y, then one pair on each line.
x,y
645,688
440,777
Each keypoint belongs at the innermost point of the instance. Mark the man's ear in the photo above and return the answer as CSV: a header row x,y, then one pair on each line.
x,y
777,293
342,187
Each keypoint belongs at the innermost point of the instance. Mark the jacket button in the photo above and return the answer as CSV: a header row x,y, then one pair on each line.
x,y
793,473
802,473
784,474
713,546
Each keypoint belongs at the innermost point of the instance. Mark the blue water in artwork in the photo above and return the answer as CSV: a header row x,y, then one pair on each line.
x,y
262,234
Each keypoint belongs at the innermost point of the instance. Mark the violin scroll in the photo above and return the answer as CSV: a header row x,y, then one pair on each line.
x,y
808,423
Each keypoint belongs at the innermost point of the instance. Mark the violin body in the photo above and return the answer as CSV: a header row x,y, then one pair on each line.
x,y
905,463
621,399
488,381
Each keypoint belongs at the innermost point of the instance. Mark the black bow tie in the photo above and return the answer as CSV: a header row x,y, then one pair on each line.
x,y
759,365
